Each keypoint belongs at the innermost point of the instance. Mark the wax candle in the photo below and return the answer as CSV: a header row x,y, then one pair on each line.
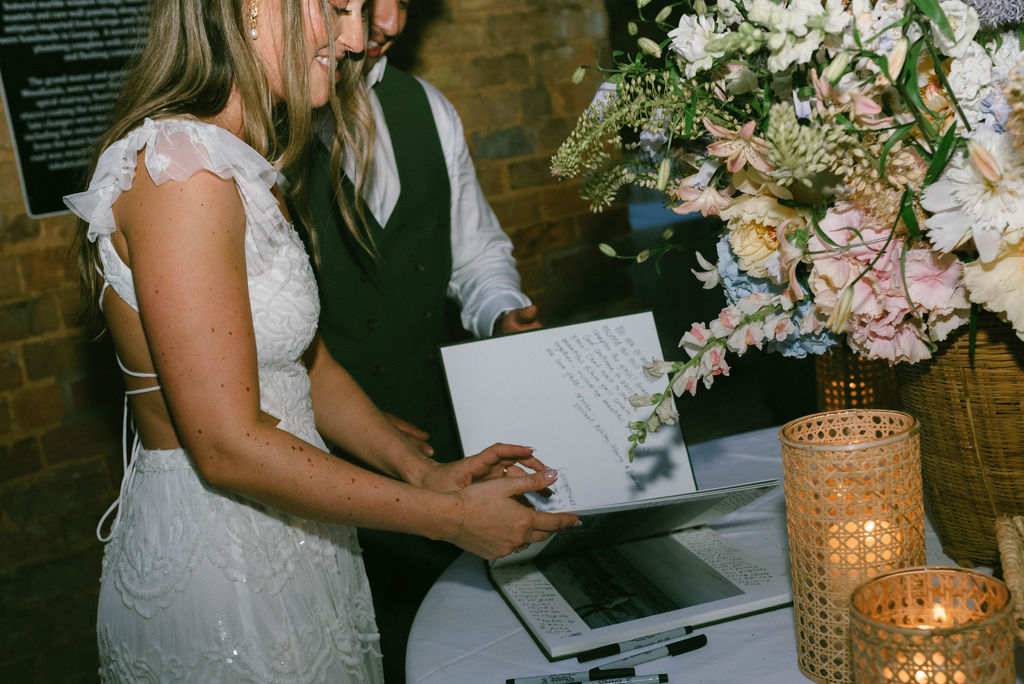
x,y
932,626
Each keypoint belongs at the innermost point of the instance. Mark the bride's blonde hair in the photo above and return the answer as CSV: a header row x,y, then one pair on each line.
x,y
196,51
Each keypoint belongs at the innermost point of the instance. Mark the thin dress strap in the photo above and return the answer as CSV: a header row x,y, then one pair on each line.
x,y
128,464
127,460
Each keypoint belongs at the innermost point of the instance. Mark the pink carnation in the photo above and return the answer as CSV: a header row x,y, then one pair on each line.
x,y
893,301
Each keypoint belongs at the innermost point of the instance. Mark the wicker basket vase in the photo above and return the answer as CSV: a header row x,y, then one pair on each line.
x,y
972,437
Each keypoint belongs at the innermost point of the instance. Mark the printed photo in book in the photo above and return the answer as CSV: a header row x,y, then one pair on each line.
x,y
594,597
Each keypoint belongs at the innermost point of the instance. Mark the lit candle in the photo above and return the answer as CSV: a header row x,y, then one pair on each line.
x,y
874,543
932,626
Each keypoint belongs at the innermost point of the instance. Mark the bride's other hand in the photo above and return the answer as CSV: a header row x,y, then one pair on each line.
x,y
495,524
496,461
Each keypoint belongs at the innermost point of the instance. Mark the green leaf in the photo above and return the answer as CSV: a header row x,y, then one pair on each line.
x,y
941,155
932,10
897,134
911,93
908,215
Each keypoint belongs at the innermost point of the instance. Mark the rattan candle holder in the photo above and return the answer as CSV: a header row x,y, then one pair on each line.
x,y
932,626
853,511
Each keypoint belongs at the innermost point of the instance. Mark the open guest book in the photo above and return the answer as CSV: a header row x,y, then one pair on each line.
x,y
644,560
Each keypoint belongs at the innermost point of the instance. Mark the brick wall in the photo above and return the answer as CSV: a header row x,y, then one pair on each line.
x,y
505,66
59,430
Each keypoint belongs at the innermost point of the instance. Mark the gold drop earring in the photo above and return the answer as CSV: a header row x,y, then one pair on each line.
x,y
254,11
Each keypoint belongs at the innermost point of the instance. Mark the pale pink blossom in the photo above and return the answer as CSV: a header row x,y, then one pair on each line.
x,y
713,363
686,382
750,335
779,327
707,199
695,339
709,276
739,147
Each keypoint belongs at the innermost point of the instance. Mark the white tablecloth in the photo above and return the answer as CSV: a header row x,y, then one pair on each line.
x,y
464,633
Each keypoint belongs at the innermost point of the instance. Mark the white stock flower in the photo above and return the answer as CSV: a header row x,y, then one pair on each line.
x,y
690,42
728,13
964,21
667,413
969,77
836,19
657,368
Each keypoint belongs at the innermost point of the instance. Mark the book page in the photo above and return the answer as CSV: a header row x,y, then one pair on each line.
x,y
565,391
598,596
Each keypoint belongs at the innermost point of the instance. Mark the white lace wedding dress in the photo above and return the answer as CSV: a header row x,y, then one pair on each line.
x,y
199,585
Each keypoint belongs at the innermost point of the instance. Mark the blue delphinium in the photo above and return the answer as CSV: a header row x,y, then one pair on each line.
x,y
740,284
994,13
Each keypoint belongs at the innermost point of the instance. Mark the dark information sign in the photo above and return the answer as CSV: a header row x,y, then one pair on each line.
x,y
61,64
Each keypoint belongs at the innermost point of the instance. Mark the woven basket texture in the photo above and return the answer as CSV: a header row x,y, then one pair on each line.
x,y
932,626
1010,535
853,511
972,437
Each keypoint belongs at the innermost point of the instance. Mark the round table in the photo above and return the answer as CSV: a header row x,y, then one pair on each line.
x,y
465,633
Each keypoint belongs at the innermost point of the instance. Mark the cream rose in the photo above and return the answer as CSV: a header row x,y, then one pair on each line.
x,y
752,221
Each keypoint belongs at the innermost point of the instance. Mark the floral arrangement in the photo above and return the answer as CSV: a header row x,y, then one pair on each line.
x,y
865,157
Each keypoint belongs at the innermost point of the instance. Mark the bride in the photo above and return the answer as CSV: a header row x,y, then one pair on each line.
x,y
232,555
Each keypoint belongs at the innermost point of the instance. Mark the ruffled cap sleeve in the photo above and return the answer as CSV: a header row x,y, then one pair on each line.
x,y
176,149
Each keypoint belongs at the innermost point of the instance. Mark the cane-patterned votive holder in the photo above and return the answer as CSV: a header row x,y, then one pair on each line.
x,y
853,511
932,626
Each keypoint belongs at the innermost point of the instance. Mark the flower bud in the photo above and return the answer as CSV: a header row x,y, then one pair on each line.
x,y
837,67
643,256
640,4
700,7
632,28
663,172
896,58
984,161
607,249
663,14
579,75
649,46
837,320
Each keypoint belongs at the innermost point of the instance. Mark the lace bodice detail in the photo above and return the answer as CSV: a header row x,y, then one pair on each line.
x,y
200,585
282,289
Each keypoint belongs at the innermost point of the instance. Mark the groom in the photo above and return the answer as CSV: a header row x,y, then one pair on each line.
x,y
383,319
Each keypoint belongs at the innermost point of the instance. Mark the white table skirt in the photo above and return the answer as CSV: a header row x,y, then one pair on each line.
x,y
464,633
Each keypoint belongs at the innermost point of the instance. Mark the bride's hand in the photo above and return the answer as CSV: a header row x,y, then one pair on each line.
x,y
496,461
495,524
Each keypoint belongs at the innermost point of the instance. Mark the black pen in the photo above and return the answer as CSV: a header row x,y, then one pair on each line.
x,y
629,645
673,649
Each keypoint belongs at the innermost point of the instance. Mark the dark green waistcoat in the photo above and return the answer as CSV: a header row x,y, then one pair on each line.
x,y
384,319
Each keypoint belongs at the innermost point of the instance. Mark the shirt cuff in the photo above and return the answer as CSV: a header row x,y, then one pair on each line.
x,y
482,324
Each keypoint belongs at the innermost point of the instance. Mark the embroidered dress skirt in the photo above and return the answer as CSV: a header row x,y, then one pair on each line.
x,y
200,586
